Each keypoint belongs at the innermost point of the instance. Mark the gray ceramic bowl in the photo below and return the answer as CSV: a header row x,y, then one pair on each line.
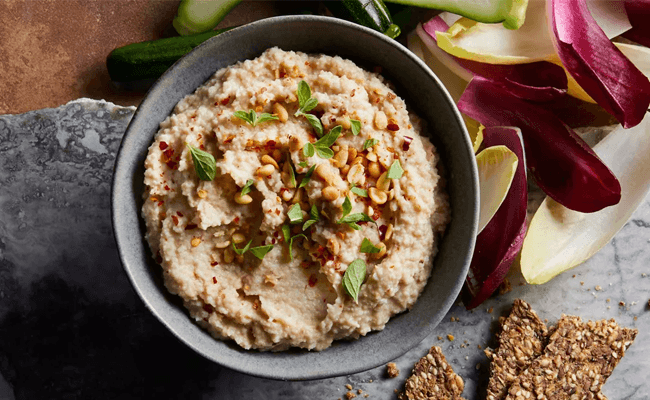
x,y
422,91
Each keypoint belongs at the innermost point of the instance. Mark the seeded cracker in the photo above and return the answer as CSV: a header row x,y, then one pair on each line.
x,y
576,362
433,378
522,339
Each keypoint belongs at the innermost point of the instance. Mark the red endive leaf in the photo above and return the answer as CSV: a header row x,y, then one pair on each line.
x,y
501,239
596,64
638,11
563,165
538,81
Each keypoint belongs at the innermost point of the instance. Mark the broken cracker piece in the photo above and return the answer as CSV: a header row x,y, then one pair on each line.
x,y
433,378
522,339
576,362
391,370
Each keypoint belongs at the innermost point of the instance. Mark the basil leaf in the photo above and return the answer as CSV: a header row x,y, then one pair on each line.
x,y
315,123
295,214
261,251
286,232
307,224
355,126
329,139
324,152
347,206
314,217
243,115
243,249
353,278
356,217
253,117
292,174
265,117
369,143
309,105
368,247
247,187
358,191
291,243
308,150
204,164
307,177
395,171
303,92
303,164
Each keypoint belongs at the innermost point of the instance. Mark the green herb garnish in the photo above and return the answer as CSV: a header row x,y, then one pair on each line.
x,y
395,171
308,150
369,143
303,164
243,249
292,174
291,243
355,126
358,191
247,187
368,247
295,214
306,104
261,251
204,164
352,219
353,278
307,177
314,216
322,145
252,118
286,232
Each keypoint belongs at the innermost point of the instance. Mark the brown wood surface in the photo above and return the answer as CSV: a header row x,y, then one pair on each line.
x,y
54,51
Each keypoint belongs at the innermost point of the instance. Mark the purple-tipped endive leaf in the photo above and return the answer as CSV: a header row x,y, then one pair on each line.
x,y
574,237
499,242
596,64
639,13
559,160
497,166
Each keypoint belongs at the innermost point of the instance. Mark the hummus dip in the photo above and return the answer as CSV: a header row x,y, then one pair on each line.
x,y
372,195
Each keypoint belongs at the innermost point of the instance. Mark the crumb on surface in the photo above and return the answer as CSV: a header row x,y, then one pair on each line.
x,y
348,386
439,337
450,337
350,395
505,287
490,310
391,370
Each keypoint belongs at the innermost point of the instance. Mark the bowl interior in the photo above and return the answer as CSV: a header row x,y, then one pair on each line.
x,y
424,94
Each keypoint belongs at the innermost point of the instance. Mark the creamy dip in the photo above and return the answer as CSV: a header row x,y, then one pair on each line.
x,y
273,301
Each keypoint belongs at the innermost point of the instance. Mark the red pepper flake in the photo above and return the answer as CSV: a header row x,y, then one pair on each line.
x,y
160,203
167,187
208,308
312,280
229,139
236,220
214,264
275,234
304,264
172,164
393,127
225,101
159,259
190,227
382,232
214,280
180,214
407,143
175,219
283,73
273,240
201,146
162,145
270,145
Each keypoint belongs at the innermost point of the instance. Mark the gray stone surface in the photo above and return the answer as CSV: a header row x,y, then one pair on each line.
x,y
71,326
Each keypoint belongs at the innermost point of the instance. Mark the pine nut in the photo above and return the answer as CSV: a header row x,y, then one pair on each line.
x,y
358,160
333,246
295,143
370,211
268,160
352,153
238,238
222,245
265,170
391,194
345,170
374,169
287,195
377,196
355,175
383,183
202,194
389,232
330,193
371,156
341,158
382,250
380,120
324,171
277,155
245,199
195,241
228,255
281,112
344,122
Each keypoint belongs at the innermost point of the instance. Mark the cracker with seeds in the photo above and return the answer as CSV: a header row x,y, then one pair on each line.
x,y
578,359
522,339
432,379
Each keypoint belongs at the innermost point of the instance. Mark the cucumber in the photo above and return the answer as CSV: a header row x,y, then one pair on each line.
x,y
148,60
197,16
371,13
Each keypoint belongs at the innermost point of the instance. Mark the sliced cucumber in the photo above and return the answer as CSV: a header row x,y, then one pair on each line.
x,y
197,16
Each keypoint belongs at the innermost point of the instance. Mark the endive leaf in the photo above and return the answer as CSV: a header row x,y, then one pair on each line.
x,y
572,236
639,14
496,168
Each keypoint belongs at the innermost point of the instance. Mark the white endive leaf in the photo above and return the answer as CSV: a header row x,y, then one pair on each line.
x,y
497,166
558,239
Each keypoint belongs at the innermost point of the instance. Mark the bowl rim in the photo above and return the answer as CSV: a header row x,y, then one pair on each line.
x,y
294,374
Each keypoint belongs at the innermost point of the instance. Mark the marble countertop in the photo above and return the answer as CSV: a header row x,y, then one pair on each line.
x,y
71,327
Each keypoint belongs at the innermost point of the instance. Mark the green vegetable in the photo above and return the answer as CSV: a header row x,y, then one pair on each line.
x,y
358,191
352,219
307,177
308,150
148,60
303,164
196,16
314,217
322,145
295,214
368,247
395,170
243,249
252,118
292,174
306,104
286,232
511,12
369,143
355,126
261,251
300,235
247,187
204,164
371,13
353,278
